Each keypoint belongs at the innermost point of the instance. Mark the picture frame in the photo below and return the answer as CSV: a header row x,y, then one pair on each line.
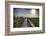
x,y
24,30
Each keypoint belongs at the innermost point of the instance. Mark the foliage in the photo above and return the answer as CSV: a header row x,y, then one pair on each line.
x,y
17,21
35,21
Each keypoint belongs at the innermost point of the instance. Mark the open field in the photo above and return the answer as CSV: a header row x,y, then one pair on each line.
x,y
25,22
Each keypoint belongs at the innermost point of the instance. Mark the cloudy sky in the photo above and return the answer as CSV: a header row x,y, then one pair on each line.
x,y
25,12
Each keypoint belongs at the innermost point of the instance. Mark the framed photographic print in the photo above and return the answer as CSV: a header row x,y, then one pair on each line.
x,y
25,17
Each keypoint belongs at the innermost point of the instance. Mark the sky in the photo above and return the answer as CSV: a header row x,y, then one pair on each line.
x,y
26,12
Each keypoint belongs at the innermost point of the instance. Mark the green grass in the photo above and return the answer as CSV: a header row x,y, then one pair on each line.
x,y
17,21
35,22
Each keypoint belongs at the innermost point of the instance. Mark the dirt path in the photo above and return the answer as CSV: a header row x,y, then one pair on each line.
x,y
24,24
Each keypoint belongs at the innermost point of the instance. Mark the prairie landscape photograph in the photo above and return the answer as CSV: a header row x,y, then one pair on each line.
x,y
25,17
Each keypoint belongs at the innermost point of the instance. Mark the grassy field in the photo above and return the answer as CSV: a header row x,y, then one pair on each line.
x,y
19,20
35,22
